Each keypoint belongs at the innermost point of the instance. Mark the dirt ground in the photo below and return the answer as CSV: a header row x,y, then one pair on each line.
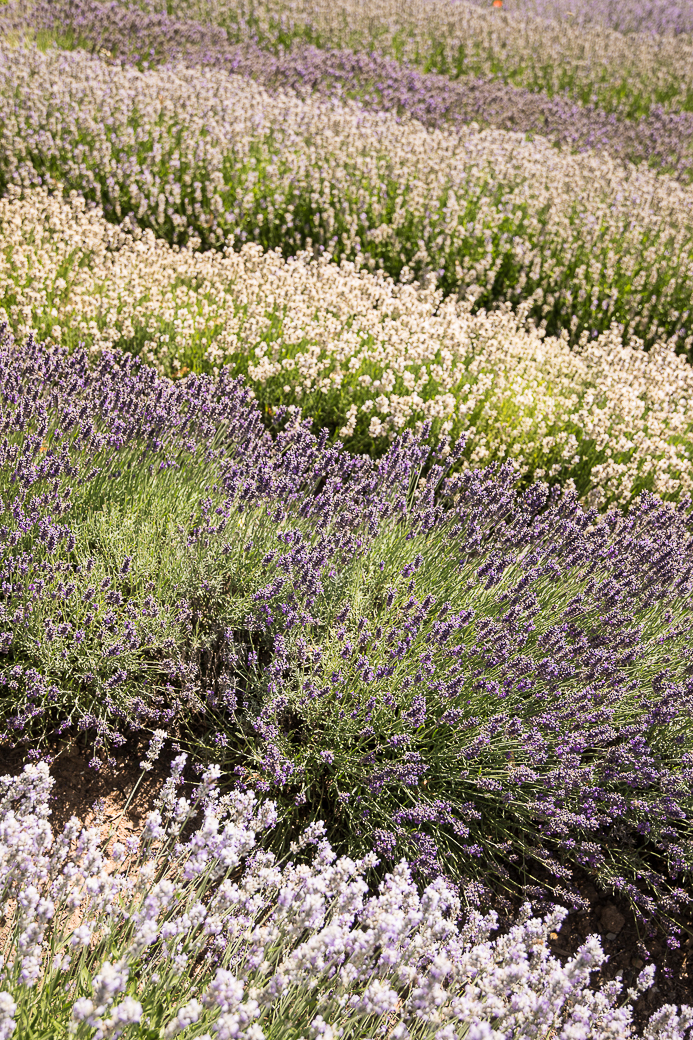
x,y
102,796
613,920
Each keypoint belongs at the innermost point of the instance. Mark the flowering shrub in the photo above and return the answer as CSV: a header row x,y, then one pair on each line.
x,y
359,354
191,929
494,217
434,657
504,689
139,522
629,74
661,138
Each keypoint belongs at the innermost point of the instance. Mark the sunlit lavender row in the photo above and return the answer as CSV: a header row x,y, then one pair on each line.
x,y
191,928
486,681
628,74
493,217
662,138
359,354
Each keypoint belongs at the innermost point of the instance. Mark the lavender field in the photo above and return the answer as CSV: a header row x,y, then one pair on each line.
x,y
346,533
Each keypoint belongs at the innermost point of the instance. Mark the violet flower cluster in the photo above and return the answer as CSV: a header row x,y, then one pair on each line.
x,y
100,471
149,528
504,692
191,929
438,663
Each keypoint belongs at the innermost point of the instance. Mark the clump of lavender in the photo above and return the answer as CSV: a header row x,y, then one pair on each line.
x,y
503,692
192,929
154,538
103,483
479,679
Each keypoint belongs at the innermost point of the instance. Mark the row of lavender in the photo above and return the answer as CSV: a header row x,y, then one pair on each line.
x,y
629,74
581,240
493,684
362,356
661,138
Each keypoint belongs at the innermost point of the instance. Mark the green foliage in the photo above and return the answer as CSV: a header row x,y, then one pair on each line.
x,y
489,707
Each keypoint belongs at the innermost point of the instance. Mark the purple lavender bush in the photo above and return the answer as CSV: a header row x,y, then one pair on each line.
x,y
192,929
487,681
504,694
103,474
145,525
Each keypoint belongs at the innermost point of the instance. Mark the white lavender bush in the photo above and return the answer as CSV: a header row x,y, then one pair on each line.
x,y
199,155
191,929
358,353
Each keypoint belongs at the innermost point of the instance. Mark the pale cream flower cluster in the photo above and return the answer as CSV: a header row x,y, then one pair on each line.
x,y
584,238
353,348
587,61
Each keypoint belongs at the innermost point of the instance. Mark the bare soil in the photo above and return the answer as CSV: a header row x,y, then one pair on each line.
x,y
99,797
622,941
